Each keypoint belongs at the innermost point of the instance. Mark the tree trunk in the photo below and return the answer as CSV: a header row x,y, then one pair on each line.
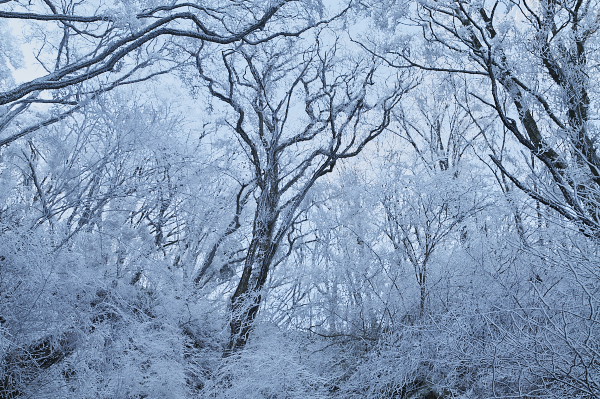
x,y
247,297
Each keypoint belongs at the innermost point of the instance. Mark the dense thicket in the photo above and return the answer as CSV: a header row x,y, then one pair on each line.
x,y
299,199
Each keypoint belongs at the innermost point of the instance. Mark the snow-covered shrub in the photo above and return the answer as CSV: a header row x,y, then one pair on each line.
x,y
272,366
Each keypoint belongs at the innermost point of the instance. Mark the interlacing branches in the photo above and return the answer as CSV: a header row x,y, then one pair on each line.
x,y
536,59
296,113
86,49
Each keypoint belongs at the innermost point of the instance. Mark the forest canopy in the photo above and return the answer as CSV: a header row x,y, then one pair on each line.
x,y
299,199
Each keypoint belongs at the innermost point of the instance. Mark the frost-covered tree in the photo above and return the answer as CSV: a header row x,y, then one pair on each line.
x,y
297,109
277,185
536,62
75,51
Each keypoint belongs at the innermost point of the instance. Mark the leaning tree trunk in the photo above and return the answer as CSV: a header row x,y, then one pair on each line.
x,y
247,297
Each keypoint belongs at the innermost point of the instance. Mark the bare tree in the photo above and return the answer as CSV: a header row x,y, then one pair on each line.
x,y
86,48
533,64
297,111
536,63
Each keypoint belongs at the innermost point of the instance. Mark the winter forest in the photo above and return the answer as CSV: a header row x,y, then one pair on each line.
x,y
298,199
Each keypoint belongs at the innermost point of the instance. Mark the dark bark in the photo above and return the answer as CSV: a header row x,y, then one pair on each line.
x,y
247,297
573,163
23,365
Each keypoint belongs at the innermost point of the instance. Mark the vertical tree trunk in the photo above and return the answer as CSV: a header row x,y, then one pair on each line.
x,y
422,279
